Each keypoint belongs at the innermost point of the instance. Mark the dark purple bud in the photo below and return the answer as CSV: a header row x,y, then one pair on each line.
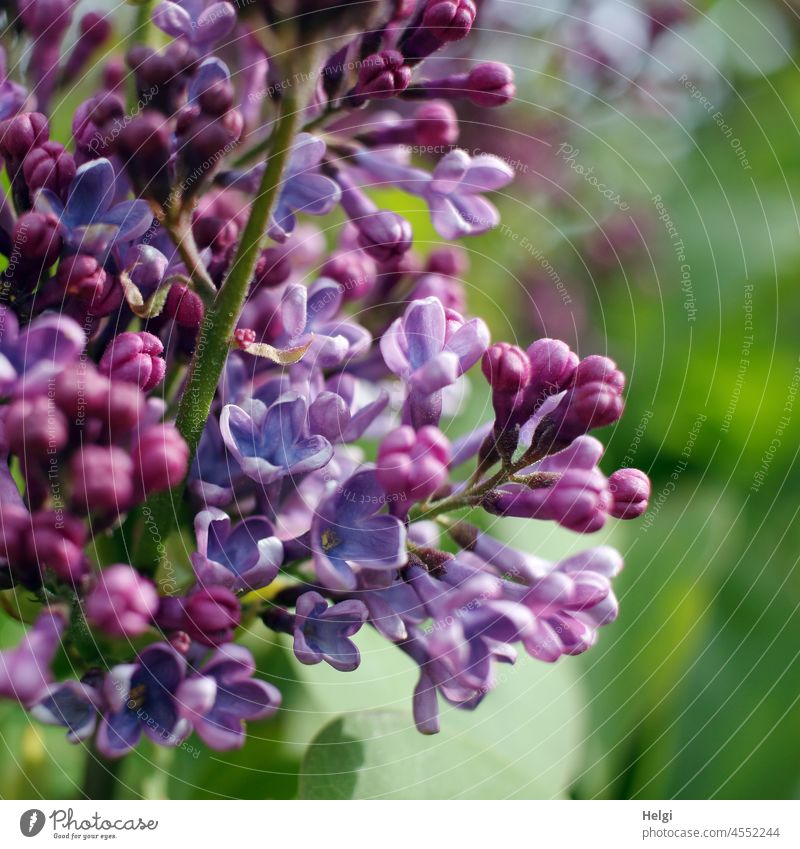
x,y
630,489
412,465
384,235
83,276
490,84
135,358
35,428
217,98
215,232
211,615
49,166
144,145
184,306
587,405
354,271
123,603
205,139
381,76
272,269
90,120
102,480
449,20
20,134
38,238
56,542
161,458
506,368
94,29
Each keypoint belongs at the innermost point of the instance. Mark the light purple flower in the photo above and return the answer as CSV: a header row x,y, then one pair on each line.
x,y
346,533
338,412
142,698
323,633
25,670
430,347
31,357
270,443
246,557
309,316
90,221
223,694
200,23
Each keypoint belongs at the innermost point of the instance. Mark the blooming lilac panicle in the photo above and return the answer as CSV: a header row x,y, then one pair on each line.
x,y
178,344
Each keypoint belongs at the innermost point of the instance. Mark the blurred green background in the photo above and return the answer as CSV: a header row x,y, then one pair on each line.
x,y
694,691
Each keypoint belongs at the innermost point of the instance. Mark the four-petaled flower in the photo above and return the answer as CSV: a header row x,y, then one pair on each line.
x,y
323,633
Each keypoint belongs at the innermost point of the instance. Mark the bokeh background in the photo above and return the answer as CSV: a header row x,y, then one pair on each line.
x,y
653,219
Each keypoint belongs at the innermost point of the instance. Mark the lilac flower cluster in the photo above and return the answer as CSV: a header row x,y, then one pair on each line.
x,y
177,340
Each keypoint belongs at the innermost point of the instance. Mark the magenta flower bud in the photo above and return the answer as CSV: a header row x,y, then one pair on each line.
x,y
82,392
490,84
49,166
135,358
449,20
381,76
449,261
211,615
35,428
203,140
553,367
124,409
38,237
506,368
56,542
630,489
216,98
123,603
144,144
20,134
184,306
83,276
93,30
354,271
273,268
596,369
413,464
436,124
102,480
161,459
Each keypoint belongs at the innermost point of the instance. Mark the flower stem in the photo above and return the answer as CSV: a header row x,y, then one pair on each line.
x,y
216,331
101,776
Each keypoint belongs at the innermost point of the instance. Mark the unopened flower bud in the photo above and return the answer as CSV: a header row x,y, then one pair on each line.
x,y
630,489
413,464
161,459
102,480
35,428
135,358
49,166
211,615
506,368
449,20
123,603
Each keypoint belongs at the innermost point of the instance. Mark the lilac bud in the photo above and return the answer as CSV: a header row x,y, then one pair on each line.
x,y
381,76
413,464
631,491
449,261
449,20
553,367
490,84
35,428
102,480
273,268
211,615
39,235
506,368
82,392
384,235
436,124
56,542
161,459
144,145
123,603
20,134
124,408
94,29
184,306
135,358
205,138
582,409
49,166
354,271
82,275
447,289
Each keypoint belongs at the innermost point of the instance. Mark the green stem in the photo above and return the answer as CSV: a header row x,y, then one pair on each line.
x,y
101,776
214,338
